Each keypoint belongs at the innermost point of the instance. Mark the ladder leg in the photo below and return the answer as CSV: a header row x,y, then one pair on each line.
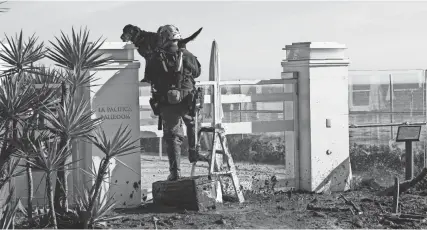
x,y
213,154
198,136
235,179
219,184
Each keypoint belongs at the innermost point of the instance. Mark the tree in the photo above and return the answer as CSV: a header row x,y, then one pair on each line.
x,y
41,114
73,120
18,100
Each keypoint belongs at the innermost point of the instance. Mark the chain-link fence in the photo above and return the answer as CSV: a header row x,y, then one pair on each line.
x,y
378,99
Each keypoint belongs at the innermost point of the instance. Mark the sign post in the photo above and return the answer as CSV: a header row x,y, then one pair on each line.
x,y
408,134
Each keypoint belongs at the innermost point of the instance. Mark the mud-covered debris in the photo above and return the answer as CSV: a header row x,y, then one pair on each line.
x,y
366,199
176,217
357,222
319,214
125,220
161,223
327,209
220,221
168,222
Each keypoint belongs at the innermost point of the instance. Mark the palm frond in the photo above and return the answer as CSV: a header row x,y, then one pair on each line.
x,y
120,144
20,55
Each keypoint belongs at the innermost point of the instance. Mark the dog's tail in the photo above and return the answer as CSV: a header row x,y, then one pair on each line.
x,y
183,42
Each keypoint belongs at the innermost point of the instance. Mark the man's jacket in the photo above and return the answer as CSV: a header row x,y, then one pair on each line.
x,y
156,74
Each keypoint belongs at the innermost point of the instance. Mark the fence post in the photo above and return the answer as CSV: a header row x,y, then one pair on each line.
x,y
409,158
391,105
160,148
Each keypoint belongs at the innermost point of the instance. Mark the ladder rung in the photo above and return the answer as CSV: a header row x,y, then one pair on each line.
x,y
211,130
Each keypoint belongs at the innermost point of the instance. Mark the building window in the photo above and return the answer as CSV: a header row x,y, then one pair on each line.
x,y
361,94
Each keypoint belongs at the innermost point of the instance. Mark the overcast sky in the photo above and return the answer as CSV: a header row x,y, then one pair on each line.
x,y
250,35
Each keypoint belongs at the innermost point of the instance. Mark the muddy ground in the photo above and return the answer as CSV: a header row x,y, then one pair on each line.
x,y
286,210
282,210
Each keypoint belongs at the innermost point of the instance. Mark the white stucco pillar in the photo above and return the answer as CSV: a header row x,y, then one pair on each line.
x,y
322,72
115,96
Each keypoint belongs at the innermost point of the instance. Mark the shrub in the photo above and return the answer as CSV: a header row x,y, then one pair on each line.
x,y
368,158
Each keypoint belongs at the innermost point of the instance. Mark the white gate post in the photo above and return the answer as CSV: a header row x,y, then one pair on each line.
x,y
115,96
322,71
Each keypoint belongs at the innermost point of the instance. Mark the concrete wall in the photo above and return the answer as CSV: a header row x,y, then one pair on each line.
x,y
322,72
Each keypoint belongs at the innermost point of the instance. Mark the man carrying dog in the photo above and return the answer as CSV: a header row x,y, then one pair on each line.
x,y
173,71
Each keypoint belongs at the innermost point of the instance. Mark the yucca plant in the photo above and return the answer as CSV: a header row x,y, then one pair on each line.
x,y
19,100
46,156
120,145
70,121
102,207
76,56
19,55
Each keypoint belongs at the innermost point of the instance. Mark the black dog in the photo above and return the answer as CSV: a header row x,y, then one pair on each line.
x,y
146,42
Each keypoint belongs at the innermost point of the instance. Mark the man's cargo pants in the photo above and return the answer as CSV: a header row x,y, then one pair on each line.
x,y
173,118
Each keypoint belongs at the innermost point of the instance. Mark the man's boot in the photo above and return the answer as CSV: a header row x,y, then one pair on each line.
x,y
174,155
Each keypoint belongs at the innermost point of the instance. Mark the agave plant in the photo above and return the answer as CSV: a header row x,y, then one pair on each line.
x,y
120,145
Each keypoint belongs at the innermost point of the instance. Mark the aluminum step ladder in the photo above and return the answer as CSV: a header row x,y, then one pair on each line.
x,y
214,169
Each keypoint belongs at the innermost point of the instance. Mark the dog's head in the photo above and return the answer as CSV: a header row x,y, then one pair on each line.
x,y
130,33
